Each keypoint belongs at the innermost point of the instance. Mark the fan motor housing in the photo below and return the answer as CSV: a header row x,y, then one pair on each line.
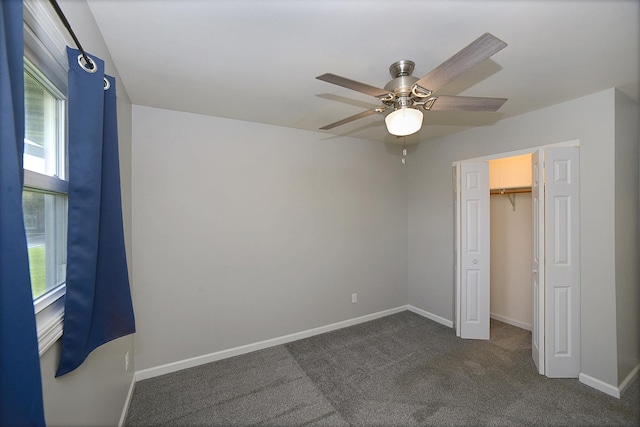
x,y
402,79
401,86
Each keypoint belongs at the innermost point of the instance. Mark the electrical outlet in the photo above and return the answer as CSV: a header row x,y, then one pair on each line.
x,y
126,361
354,298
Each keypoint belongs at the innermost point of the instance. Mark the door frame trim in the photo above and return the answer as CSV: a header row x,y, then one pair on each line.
x,y
530,150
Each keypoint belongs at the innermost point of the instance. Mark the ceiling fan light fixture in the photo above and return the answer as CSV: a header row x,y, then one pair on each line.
x,y
409,96
404,121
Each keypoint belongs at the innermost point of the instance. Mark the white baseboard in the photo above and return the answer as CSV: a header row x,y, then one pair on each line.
x,y
224,354
511,322
430,316
632,375
599,385
219,355
127,402
608,388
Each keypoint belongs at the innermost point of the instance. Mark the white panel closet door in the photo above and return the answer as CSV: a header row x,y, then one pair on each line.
x,y
474,250
537,297
562,254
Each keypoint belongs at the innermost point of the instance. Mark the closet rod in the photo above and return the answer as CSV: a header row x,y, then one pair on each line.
x,y
510,190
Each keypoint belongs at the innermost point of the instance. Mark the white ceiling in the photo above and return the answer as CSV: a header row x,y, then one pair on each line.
x,y
257,60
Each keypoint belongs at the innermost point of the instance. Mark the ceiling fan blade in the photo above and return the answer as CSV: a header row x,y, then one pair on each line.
x,y
350,119
478,51
354,85
467,103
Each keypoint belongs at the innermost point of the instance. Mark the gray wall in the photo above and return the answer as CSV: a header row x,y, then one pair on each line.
x,y
244,232
430,199
95,393
627,248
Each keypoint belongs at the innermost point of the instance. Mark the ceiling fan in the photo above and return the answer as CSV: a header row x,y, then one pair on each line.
x,y
407,95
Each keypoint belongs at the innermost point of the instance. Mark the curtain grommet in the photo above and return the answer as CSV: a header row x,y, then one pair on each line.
x,y
83,64
107,85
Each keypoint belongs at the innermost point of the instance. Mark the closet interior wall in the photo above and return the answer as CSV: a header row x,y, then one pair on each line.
x,y
511,241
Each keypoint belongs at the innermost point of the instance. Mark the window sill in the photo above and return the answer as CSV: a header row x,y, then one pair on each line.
x,y
49,322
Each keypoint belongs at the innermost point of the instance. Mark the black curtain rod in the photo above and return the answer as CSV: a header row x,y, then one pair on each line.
x,y
63,18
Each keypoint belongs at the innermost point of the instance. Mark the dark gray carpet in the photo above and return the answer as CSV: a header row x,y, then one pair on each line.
x,y
401,370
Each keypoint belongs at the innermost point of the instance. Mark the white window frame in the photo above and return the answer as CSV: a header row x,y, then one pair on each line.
x,y
45,42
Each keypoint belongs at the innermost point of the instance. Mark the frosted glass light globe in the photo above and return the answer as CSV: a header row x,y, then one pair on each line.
x,y
404,121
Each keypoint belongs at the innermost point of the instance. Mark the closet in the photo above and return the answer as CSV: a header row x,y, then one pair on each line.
x,y
511,240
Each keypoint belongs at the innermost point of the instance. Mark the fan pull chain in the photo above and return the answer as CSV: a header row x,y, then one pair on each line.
x,y
404,152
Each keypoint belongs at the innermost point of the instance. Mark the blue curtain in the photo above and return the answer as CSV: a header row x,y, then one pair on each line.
x,y
98,304
21,400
